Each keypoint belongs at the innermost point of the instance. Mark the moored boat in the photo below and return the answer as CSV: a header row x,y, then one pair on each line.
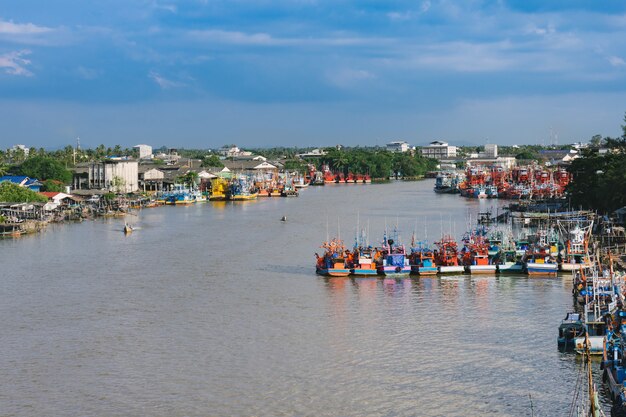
x,y
332,262
446,257
393,259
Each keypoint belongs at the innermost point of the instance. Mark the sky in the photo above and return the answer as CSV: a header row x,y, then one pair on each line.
x,y
261,73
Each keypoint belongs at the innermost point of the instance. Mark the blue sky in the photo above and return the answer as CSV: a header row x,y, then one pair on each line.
x,y
203,73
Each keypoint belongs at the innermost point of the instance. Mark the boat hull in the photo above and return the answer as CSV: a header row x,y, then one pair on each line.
x,y
424,270
451,269
541,269
363,272
394,270
481,269
596,345
243,197
517,268
333,272
567,266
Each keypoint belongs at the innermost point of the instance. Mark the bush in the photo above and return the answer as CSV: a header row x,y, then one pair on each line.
x,y
13,193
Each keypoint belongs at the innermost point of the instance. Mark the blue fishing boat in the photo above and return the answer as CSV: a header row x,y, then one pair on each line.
x,y
614,366
392,259
422,260
362,262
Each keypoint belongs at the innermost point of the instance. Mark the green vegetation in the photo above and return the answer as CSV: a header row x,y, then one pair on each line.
x,y
212,161
190,179
45,168
13,193
53,186
377,162
296,165
599,181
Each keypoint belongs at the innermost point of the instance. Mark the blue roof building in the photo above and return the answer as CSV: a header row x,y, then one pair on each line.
x,y
23,181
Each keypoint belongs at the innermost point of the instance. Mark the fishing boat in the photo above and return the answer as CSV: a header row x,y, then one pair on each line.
x,y
127,229
446,183
539,258
300,182
570,328
538,261
510,261
362,262
614,366
332,262
576,252
241,190
218,189
422,260
392,258
600,309
447,257
476,255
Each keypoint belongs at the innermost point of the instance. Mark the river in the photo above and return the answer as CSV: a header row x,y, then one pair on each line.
x,y
215,310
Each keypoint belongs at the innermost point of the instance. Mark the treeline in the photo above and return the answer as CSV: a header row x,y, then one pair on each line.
x,y
377,162
599,180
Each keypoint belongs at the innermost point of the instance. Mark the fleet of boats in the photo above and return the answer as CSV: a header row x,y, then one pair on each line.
x,y
598,327
520,183
485,249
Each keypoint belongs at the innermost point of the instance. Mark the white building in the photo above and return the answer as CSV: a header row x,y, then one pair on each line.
x,y
121,176
315,153
398,146
145,151
439,150
24,148
491,151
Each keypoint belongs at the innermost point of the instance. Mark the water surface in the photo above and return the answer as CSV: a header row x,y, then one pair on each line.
x,y
215,310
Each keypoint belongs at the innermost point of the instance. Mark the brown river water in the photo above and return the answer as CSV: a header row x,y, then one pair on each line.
x,y
215,310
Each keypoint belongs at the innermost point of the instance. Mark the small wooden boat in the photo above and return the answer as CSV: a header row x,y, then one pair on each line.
x,y
128,229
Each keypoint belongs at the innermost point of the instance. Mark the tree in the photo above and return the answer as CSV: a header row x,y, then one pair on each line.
x,y
45,168
54,186
212,161
13,193
190,178
118,184
526,155
596,141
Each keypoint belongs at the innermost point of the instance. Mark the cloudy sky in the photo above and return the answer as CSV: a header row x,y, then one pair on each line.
x,y
203,73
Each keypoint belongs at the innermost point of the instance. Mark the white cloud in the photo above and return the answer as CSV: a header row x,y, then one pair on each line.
x,y
399,16
167,7
163,82
10,28
13,63
616,61
265,39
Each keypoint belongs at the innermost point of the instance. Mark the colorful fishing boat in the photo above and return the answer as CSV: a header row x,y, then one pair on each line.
x,y
422,260
576,252
332,262
218,189
362,262
392,259
539,258
538,261
447,257
240,189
